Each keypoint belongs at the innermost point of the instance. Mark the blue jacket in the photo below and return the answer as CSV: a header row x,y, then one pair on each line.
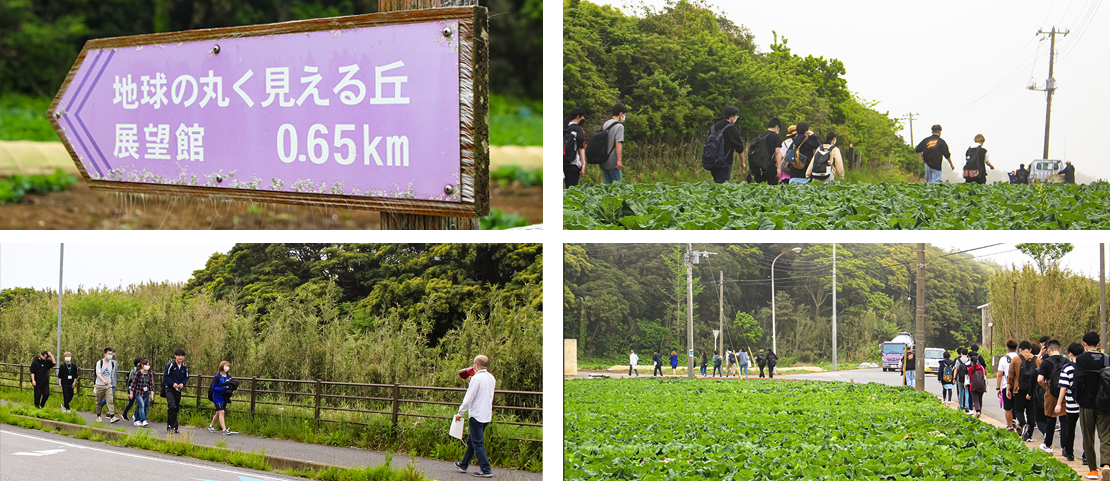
x,y
219,388
175,375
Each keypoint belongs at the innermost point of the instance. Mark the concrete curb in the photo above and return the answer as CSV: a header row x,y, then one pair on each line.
x,y
276,462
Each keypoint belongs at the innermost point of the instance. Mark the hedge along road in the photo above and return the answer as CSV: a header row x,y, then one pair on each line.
x,y
932,385
944,206
27,455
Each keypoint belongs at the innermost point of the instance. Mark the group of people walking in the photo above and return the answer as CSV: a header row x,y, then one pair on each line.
x,y
139,384
734,363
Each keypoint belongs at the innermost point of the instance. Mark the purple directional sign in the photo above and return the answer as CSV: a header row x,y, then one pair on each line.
x,y
372,110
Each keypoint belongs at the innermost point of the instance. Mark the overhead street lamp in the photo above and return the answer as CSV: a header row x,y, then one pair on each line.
x,y
774,333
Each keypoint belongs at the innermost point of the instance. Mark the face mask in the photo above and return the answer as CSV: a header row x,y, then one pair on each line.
x,y
110,356
145,368
68,359
227,368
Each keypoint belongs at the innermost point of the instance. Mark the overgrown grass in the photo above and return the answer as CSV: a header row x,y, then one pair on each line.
x,y
23,117
515,121
51,414
507,174
499,220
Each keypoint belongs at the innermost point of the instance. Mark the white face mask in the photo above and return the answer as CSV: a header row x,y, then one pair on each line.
x,y
68,359
146,368
227,368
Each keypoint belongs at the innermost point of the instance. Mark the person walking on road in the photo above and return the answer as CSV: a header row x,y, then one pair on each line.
x,y
1021,379
1067,402
633,360
674,363
743,360
716,365
219,390
772,361
1087,367
761,361
105,385
1048,376
909,369
40,377
174,378
704,363
1001,384
978,376
931,150
67,379
142,383
658,360
963,381
127,382
479,404
731,369
946,375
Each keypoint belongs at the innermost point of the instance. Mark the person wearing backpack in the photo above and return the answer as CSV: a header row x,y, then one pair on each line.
x,y
765,155
772,361
731,369
977,161
804,145
978,376
1002,385
104,386
574,147
963,380
761,361
723,141
139,387
1066,403
218,393
946,375
1048,377
1021,379
605,146
827,163
931,150
716,365
127,381
658,360
787,155
1091,417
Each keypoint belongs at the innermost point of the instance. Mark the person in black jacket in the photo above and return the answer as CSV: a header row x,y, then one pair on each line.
x,y
67,379
761,361
40,377
772,361
733,143
174,378
575,169
658,360
805,143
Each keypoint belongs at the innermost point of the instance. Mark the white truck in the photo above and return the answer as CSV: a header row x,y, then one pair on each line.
x,y
933,355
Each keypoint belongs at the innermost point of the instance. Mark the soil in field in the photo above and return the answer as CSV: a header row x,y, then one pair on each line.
x,y
80,207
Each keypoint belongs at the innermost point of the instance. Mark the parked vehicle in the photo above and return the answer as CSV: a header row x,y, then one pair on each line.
x,y
895,349
933,355
1043,171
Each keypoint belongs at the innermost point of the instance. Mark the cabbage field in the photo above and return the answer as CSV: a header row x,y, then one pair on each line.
x,y
943,206
677,429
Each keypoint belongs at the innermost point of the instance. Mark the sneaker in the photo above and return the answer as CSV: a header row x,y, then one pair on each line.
x,y
460,467
138,423
115,419
229,432
1047,449
211,429
98,419
125,418
1105,473
176,431
1092,475
483,475
145,423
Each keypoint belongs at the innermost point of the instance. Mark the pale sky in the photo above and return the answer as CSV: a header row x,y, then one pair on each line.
x,y
107,264
964,65
1081,260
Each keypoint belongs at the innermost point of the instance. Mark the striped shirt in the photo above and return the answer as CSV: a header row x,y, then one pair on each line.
x,y
1066,377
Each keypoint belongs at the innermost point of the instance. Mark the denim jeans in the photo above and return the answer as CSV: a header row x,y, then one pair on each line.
x,y
963,396
633,368
932,176
142,403
611,175
911,378
475,446
743,369
126,409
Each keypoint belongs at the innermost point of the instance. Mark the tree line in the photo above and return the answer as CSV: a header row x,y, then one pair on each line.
x,y
621,296
40,39
373,313
676,69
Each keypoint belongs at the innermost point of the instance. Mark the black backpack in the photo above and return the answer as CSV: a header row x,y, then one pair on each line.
x,y
714,154
1027,376
758,158
821,160
570,145
595,148
973,165
732,358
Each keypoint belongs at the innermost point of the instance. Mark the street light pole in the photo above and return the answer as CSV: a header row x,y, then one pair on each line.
x,y
690,310
774,332
834,308
61,257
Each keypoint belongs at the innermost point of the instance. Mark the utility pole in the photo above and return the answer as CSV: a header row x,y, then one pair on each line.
x,y
1015,312
721,297
1050,83
919,341
690,310
834,308
910,116
1102,292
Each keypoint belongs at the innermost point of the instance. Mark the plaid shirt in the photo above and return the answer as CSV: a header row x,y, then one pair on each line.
x,y
142,380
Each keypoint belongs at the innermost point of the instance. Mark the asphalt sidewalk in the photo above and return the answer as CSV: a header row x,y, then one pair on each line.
x,y
317,453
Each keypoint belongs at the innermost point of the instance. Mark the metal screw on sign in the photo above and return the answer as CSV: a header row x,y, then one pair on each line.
x,y
449,189
215,50
447,32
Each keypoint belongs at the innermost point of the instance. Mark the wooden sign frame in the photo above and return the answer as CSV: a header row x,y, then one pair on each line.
x,y
473,118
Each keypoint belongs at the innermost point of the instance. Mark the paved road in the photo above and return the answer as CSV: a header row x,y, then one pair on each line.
x,y
27,455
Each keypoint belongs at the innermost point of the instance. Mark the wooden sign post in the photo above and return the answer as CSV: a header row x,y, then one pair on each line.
x,y
384,111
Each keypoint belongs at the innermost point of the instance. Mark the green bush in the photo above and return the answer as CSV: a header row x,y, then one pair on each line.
x,y
12,189
498,220
23,117
507,174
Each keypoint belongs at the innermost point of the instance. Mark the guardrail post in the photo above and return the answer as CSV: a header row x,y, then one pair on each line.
x,y
254,387
21,377
198,391
396,402
317,416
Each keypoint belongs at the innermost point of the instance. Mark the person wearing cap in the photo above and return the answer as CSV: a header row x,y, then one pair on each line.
x,y
611,168
574,170
40,377
930,150
733,143
478,402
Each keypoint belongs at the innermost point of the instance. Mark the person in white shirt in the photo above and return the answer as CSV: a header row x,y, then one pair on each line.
x,y
633,359
1001,384
479,403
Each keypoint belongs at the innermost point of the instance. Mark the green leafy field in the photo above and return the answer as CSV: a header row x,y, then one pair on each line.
x,y
837,206
758,430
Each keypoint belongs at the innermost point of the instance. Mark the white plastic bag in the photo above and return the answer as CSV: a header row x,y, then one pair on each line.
x,y
456,428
